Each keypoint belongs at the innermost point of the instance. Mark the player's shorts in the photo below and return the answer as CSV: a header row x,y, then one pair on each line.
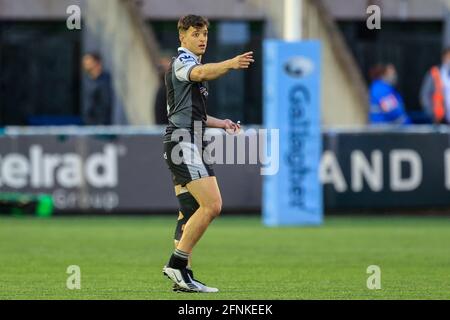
x,y
186,162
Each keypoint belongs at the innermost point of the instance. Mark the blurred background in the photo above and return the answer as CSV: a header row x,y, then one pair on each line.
x,y
82,109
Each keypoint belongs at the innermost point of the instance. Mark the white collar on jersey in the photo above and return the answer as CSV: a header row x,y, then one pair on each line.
x,y
190,52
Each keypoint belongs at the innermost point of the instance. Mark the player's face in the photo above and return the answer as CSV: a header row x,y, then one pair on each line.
x,y
89,64
196,40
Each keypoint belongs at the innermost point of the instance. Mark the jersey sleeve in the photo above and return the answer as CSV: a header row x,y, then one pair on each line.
x,y
183,66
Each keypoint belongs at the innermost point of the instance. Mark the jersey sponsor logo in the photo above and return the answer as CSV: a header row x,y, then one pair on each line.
x,y
186,58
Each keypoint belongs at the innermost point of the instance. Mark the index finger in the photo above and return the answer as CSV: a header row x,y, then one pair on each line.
x,y
247,53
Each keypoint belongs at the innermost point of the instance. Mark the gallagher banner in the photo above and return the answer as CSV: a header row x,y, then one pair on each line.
x,y
292,73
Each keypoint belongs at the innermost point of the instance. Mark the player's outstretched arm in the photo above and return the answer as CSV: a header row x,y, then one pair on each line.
x,y
211,71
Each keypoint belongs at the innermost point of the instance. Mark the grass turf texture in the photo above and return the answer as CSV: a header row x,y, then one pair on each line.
x,y
122,258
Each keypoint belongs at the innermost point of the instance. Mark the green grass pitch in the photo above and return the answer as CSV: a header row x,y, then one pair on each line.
x,y
122,258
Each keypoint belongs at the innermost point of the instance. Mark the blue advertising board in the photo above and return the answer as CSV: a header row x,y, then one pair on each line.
x,y
292,74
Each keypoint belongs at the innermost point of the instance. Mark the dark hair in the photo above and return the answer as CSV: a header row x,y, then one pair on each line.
x,y
95,55
192,21
377,71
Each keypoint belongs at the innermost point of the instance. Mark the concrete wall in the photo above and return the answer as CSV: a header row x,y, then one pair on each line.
x,y
213,9
344,93
234,9
35,9
113,28
391,9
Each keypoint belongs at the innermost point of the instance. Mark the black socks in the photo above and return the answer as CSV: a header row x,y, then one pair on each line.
x,y
178,260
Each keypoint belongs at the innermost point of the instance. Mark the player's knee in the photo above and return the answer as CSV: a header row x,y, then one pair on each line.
x,y
216,208
213,208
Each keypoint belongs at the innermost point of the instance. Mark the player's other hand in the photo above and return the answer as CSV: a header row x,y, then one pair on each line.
x,y
242,61
231,127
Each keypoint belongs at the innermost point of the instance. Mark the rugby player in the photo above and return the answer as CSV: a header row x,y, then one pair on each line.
x,y
196,186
